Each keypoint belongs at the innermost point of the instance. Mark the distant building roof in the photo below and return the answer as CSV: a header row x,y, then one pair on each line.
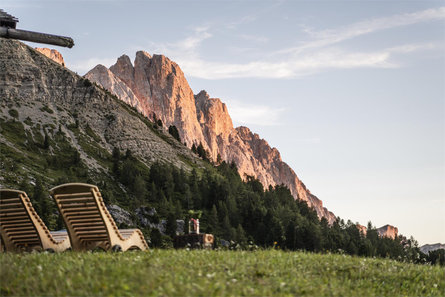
x,y
7,20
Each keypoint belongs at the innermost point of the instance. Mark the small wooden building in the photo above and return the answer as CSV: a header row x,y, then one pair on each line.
x,y
202,240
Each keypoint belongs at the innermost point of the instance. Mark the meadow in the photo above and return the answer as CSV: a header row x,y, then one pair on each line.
x,y
213,273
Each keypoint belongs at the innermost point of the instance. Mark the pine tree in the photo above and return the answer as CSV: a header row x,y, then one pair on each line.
x,y
41,205
139,188
240,235
212,224
174,132
46,142
171,225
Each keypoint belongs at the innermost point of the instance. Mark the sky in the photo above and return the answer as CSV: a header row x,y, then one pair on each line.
x,y
352,93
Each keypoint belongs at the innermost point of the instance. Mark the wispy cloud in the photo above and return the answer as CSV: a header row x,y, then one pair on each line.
x,y
255,38
290,68
254,114
321,52
186,47
192,42
328,37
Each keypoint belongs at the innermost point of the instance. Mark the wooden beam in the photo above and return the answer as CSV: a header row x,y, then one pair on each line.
x,y
36,37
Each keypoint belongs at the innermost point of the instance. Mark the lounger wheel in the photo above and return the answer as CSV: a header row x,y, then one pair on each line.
x,y
116,248
51,251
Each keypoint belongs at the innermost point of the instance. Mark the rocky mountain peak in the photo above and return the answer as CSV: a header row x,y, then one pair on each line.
x,y
104,77
124,70
388,231
52,54
431,247
142,56
214,113
160,88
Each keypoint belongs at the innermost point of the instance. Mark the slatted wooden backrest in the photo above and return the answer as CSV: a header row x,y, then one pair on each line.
x,y
19,222
78,204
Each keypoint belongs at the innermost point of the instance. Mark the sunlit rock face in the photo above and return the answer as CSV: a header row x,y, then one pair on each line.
x,y
52,54
155,85
46,93
363,230
105,78
388,231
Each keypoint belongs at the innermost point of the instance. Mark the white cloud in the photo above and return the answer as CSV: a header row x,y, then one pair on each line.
x,y
192,42
254,114
409,48
328,37
289,68
186,47
309,57
255,38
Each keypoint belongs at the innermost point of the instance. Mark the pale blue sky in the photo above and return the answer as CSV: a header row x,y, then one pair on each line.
x,y
352,93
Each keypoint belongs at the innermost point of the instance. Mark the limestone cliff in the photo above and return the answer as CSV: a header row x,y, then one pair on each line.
x,y
52,54
388,231
159,87
431,247
50,98
362,229
162,90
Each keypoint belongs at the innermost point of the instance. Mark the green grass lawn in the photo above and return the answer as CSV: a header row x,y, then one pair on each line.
x,y
210,273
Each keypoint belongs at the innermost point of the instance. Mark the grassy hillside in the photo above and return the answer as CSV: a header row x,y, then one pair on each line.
x,y
209,273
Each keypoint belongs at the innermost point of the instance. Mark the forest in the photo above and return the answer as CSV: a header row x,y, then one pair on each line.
x,y
239,212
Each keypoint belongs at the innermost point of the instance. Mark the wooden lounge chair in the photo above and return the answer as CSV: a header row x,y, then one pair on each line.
x,y
88,222
21,228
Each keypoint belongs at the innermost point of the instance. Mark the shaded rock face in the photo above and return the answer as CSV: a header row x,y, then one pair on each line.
x,y
109,81
120,216
388,231
431,247
52,54
159,87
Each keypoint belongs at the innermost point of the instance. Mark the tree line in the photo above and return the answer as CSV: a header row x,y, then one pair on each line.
x,y
244,212
239,211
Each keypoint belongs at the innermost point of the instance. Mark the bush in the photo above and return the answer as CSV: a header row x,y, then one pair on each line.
x,y
14,113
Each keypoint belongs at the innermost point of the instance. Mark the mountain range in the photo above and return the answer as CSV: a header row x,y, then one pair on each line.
x,y
110,108
158,89
42,99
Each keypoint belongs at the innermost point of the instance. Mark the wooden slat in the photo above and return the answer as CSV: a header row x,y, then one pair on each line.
x,y
12,219
94,237
74,200
16,223
14,232
27,241
81,213
9,200
84,218
67,196
79,209
19,228
87,224
14,236
8,210
11,214
5,205
90,228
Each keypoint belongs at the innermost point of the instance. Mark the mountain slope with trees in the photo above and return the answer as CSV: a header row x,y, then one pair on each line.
x,y
58,127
